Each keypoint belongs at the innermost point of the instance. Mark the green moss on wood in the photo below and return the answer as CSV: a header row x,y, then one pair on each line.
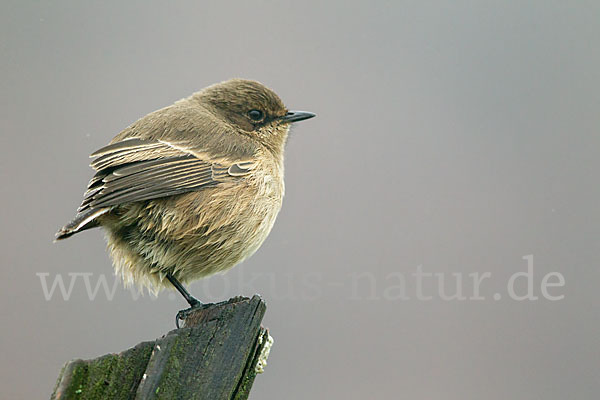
x,y
213,357
113,376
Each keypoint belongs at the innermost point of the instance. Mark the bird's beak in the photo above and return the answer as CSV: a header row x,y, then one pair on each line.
x,y
295,116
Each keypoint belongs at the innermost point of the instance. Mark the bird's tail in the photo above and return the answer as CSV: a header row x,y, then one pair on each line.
x,y
81,222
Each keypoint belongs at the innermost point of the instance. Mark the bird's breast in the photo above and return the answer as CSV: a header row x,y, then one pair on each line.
x,y
200,233
238,210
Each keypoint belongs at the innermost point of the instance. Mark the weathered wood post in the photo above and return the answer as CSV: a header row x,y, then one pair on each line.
x,y
215,355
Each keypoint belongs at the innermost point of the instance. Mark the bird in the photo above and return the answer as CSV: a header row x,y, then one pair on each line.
x,y
191,189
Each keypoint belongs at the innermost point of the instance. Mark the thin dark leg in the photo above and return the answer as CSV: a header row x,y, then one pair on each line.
x,y
192,301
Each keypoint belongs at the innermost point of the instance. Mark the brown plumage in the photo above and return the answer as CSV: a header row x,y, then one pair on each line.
x,y
191,189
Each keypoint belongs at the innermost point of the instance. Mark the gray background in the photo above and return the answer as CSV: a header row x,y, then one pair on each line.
x,y
459,136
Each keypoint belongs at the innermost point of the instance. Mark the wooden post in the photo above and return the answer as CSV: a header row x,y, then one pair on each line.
x,y
215,355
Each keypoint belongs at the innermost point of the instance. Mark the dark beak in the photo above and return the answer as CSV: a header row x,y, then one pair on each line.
x,y
295,116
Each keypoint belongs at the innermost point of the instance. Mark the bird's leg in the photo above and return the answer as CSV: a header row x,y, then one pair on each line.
x,y
192,301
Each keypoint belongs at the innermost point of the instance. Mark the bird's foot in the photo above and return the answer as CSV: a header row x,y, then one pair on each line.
x,y
183,314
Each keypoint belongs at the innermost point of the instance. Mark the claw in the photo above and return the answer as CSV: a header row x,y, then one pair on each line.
x,y
180,316
183,314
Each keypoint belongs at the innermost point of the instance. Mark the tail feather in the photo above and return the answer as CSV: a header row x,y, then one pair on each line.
x,y
81,222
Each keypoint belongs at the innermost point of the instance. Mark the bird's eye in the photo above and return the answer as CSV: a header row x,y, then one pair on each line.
x,y
255,115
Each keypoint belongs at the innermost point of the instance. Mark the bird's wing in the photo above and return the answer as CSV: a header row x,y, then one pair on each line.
x,y
135,169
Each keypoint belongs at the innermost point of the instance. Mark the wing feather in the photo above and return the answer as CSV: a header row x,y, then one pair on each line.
x,y
137,170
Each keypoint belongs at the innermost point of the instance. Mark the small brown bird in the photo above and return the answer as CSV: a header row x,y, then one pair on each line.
x,y
191,189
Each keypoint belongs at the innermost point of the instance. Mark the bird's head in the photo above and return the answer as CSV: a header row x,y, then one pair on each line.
x,y
252,109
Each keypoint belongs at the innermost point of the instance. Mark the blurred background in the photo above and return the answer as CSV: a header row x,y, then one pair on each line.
x,y
452,137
